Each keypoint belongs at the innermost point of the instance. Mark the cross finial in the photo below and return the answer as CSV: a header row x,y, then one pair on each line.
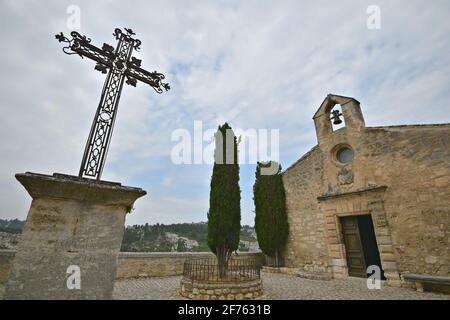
x,y
129,32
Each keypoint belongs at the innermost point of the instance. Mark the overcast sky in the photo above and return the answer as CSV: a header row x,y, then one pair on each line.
x,y
256,64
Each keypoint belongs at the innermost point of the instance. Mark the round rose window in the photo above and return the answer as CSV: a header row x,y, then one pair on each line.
x,y
344,155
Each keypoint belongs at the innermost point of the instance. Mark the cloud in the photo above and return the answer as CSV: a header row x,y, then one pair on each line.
x,y
261,65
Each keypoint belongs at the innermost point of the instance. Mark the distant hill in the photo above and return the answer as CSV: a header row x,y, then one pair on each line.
x,y
11,226
159,237
179,237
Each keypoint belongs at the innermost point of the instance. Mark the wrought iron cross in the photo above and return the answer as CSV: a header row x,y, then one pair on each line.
x,y
121,66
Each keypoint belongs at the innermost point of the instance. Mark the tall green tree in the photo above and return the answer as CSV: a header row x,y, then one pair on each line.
x,y
271,224
224,215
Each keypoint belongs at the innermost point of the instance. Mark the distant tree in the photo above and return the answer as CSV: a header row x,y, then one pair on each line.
x,y
11,226
224,215
181,246
271,223
148,238
242,247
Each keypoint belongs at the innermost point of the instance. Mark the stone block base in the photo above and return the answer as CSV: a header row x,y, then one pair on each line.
x,y
284,270
298,273
314,275
71,239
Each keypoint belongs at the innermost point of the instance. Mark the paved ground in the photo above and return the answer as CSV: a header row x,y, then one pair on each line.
x,y
276,286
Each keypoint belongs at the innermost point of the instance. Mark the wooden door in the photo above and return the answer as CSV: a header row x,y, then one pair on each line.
x,y
353,247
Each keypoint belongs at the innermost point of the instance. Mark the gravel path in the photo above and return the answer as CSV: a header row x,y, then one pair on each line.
x,y
276,286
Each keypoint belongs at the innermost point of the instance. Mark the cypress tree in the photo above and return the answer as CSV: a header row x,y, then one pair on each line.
x,y
224,215
271,225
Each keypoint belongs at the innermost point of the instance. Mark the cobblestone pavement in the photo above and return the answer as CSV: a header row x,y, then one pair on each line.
x,y
276,286
148,289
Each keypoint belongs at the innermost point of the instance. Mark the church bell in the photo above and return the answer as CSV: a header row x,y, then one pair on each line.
x,y
336,117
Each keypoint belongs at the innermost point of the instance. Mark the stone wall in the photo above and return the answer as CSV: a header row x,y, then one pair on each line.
x,y
306,247
414,162
138,264
141,264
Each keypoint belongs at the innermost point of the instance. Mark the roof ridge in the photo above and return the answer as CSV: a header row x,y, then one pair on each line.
x,y
411,125
302,157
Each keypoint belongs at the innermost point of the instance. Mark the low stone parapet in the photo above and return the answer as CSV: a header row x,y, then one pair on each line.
x,y
163,264
298,273
154,264
284,270
138,264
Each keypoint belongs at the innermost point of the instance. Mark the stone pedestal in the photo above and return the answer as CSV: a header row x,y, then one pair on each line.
x,y
72,223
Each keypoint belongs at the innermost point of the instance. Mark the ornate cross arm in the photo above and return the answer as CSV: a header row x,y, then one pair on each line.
x,y
82,46
154,79
122,68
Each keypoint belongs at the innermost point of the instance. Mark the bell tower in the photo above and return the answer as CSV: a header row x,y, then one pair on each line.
x,y
340,131
327,115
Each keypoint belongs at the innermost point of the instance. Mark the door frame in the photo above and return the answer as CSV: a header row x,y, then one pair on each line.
x,y
355,204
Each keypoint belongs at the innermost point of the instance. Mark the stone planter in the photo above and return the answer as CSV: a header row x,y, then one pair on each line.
x,y
221,291
201,280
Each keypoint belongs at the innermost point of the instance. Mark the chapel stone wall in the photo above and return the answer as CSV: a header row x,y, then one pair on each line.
x,y
408,166
306,246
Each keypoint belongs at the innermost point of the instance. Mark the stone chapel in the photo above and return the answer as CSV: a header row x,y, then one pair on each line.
x,y
369,196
